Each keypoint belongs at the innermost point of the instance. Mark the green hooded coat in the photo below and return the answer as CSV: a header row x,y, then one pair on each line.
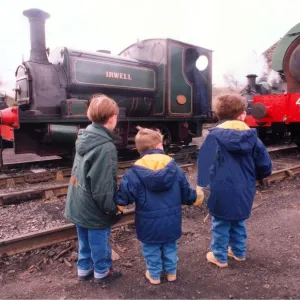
x,y
90,199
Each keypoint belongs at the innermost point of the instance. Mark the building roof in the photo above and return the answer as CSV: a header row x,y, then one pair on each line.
x,y
269,53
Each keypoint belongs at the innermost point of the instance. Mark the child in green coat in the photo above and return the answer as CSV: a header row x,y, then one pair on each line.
x,y
90,205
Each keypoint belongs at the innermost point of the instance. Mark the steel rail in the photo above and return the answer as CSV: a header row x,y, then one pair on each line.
x,y
45,192
49,237
61,174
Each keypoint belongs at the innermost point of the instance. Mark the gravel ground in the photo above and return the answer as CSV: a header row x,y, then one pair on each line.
x,y
283,163
31,216
271,270
29,186
10,158
41,214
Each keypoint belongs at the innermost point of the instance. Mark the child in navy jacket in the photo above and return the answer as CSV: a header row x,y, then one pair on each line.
x,y
230,161
158,187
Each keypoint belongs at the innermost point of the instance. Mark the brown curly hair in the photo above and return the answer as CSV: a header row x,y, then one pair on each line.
x,y
230,107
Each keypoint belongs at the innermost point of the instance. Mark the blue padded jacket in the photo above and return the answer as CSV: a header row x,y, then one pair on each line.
x,y
158,187
230,161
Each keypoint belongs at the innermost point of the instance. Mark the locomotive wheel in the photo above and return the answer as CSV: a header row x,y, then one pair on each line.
x,y
188,140
69,155
167,138
296,139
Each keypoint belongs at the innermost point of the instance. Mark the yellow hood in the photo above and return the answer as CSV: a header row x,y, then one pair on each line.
x,y
154,161
235,124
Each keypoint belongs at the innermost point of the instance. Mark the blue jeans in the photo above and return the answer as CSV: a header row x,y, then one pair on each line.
x,y
94,251
228,233
160,257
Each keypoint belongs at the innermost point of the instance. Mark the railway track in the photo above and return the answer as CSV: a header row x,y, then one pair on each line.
x,y
10,179
49,237
46,191
55,235
56,181
43,175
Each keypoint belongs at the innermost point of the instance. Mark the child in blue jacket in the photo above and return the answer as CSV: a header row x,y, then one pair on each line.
x,y
158,187
230,161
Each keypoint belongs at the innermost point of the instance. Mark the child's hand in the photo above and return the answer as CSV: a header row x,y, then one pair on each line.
x,y
200,196
120,210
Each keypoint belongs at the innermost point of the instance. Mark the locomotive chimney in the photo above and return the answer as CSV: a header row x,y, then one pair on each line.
x,y
37,19
251,81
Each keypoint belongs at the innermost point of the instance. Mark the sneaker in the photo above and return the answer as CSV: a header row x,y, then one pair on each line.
x,y
86,277
112,274
211,258
230,254
171,277
152,281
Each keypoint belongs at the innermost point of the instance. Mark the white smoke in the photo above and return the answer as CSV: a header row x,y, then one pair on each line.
x,y
249,63
274,80
257,65
8,87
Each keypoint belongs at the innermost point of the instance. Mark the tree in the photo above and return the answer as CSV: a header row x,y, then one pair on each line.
x,y
231,81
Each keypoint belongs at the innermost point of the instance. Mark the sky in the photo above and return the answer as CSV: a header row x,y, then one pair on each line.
x,y
234,29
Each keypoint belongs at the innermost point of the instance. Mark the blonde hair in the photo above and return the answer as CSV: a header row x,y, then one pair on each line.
x,y
102,108
147,139
230,106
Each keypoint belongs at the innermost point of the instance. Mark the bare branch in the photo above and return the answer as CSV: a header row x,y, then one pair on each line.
x,y
231,81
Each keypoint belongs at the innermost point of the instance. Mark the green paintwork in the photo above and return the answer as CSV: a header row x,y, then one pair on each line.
x,y
166,66
178,85
74,107
160,94
283,45
94,73
63,133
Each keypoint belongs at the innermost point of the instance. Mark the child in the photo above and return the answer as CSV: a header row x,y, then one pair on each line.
x,y
158,187
231,159
90,205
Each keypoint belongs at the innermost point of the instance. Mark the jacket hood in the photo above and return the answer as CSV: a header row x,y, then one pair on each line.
x,y
94,135
235,136
156,170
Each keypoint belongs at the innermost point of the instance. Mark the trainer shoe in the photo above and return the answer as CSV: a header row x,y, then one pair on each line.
x,y
152,281
112,274
171,277
84,275
85,278
230,254
211,258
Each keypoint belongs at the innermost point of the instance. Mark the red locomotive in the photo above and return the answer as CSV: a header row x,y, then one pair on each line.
x,y
278,115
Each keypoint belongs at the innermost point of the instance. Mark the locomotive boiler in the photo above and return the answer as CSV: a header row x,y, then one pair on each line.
x,y
155,82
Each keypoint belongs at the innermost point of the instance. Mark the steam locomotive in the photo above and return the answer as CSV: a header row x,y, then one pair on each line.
x,y
273,106
273,84
155,82
279,113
